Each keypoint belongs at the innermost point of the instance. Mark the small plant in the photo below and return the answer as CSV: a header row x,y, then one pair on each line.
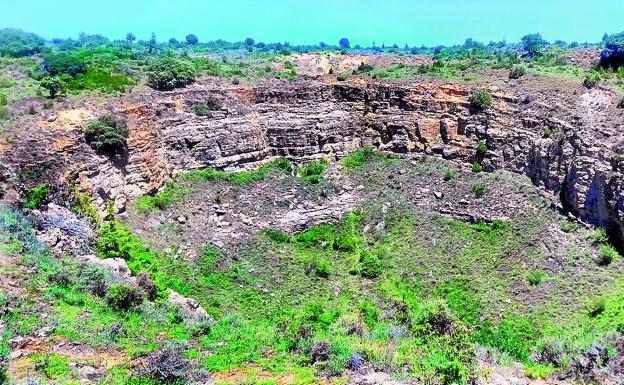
x,y
313,171
123,297
202,110
596,306
479,190
31,110
322,268
448,175
52,365
608,254
481,100
107,134
3,100
536,371
476,168
481,148
547,133
370,265
621,103
535,277
277,236
95,279
341,77
37,196
600,236
592,79
517,72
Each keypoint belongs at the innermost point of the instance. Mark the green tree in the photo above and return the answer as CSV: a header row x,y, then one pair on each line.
x,y
249,41
533,43
192,39
55,85
344,43
130,37
168,73
613,53
17,43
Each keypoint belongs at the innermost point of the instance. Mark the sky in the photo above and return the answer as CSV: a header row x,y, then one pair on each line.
x,y
414,22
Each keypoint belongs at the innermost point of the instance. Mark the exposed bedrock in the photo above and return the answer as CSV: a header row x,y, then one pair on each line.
x,y
567,144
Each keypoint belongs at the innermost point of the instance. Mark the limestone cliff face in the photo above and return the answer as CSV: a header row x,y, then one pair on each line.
x,y
568,146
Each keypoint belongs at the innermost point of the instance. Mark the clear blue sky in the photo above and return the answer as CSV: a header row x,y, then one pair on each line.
x,y
413,22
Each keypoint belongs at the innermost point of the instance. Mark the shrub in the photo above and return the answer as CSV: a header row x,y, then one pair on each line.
x,y
52,365
322,268
358,158
312,171
202,110
481,148
547,133
481,100
95,279
168,73
592,79
370,265
148,286
123,297
621,103
601,236
5,113
535,277
167,366
479,189
117,241
448,175
517,72
341,77
107,134
608,254
3,100
37,196
536,371
476,168
277,236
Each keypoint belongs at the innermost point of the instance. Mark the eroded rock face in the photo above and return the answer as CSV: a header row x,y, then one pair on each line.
x,y
567,144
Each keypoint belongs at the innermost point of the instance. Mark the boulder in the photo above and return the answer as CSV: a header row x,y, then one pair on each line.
x,y
191,309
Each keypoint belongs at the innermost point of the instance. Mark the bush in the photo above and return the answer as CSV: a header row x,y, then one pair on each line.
x,y
476,168
107,134
277,236
5,113
123,297
341,77
322,268
601,236
148,286
608,254
592,79
37,196
370,265
95,279
202,110
167,366
481,100
168,73
4,100
517,72
358,158
313,171
448,175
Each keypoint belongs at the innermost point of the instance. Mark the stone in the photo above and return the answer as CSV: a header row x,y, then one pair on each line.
x,y
191,310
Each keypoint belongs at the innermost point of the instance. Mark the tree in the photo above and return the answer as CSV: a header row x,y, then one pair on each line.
x,y
55,85
249,41
152,44
168,73
613,54
533,43
17,43
192,39
130,37
173,41
344,43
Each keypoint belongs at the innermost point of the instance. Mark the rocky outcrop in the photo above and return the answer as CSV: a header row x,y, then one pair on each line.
x,y
570,145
